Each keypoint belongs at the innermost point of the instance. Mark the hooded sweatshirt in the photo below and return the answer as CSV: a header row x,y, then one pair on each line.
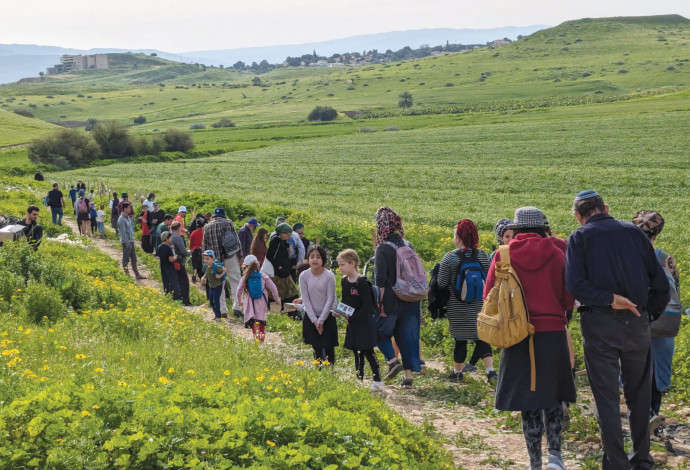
x,y
540,266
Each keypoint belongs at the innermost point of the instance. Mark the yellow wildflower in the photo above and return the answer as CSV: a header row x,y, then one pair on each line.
x,y
98,370
271,443
95,407
190,371
85,414
80,356
227,372
171,371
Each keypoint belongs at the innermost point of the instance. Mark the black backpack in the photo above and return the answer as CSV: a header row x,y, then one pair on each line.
x,y
438,298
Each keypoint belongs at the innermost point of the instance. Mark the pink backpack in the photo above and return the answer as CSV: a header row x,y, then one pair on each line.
x,y
411,284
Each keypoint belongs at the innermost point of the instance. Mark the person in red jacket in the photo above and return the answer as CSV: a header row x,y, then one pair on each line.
x,y
195,239
540,266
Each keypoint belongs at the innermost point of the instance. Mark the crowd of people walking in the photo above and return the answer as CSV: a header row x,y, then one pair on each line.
x,y
626,292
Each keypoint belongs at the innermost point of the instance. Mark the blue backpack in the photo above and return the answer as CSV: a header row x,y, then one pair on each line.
x,y
255,286
217,265
469,283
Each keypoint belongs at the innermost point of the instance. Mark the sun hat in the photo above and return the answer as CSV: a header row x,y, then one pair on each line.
x,y
283,228
586,194
527,217
253,221
219,212
651,222
249,259
209,253
182,209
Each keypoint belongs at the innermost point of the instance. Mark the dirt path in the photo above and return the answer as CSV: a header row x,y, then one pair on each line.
x,y
476,439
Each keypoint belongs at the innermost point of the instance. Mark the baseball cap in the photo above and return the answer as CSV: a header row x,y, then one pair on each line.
x,y
253,221
209,253
182,209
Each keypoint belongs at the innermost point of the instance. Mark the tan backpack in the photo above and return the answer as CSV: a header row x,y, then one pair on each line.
x,y
504,319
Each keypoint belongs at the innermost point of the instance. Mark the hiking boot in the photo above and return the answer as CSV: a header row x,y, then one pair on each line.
x,y
454,377
492,377
394,368
407,384
376,387
467,367
654,424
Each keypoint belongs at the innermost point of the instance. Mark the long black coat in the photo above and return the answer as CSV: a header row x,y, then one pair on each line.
x,y
361,332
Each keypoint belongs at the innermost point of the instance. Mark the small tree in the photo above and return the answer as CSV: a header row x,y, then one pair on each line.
x,y
322,113
405,100
65,148
140,119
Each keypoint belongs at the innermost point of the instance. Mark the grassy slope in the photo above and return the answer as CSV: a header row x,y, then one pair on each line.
x,y
16,129
549,63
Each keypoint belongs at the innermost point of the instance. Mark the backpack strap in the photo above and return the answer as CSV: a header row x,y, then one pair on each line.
x,y
504,250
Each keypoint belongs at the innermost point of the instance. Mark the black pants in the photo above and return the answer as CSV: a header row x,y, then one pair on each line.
x,y
325,353
481,350
616,340
183,281
170,284
370,356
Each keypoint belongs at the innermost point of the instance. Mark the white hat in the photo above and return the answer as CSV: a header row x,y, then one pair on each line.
x,y
249,259
182,209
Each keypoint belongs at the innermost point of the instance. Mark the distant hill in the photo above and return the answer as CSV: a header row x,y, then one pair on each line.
x,y
602,59
25,60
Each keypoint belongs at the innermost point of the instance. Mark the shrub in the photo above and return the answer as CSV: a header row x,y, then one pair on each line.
x,y
114,140
585,74
392,128
177,140
43,303
223,122
198,125
366,129
322,113
65,148
24,112
449,84
140,119
622,71
11,287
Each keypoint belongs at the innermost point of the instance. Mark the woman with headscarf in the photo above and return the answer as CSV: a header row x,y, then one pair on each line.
x,y
398,318
665,328
462,315
503,235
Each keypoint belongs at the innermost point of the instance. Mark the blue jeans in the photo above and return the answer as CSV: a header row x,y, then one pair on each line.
x,y
662,357
406,334
57,215
214,299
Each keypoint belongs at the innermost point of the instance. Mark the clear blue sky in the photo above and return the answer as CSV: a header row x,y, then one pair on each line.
x,y
185,25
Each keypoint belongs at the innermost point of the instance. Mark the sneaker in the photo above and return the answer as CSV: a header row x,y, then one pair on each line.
x,y
394,368
555,463
654,423
125,270
376,387
360,377
454,377
467,367
140,277
407,383
492,377
224,316
422,364
238,313
216,319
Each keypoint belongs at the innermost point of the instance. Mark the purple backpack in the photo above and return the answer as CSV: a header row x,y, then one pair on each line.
x,y
411,284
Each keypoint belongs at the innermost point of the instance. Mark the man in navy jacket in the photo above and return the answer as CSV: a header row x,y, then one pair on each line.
x,y
612,270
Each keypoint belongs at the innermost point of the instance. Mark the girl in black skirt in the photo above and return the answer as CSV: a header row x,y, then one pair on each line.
x,y
360,336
